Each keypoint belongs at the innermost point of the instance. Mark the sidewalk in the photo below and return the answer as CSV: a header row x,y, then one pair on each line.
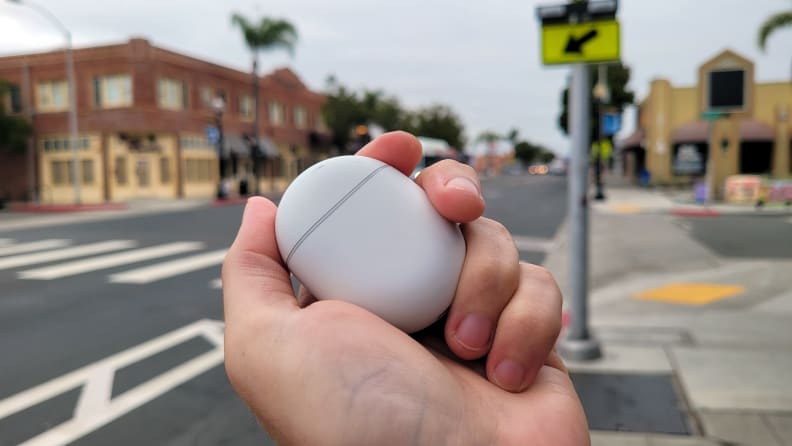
x,y
633,200
697,346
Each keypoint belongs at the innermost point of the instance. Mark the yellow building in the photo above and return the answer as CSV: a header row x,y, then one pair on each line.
x,y
726,124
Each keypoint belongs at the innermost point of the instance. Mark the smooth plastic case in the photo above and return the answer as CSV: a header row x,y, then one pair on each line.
x,y
355,229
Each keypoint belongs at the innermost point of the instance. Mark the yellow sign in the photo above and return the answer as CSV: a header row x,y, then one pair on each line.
x,y
596,41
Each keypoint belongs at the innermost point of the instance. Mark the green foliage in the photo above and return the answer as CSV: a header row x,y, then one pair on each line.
x,y
267,33
488,136
345,109
14,130
772,24
620,96
437,121
530,153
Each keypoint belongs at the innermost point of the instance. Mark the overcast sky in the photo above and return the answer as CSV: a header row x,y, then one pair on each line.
x,y
479,57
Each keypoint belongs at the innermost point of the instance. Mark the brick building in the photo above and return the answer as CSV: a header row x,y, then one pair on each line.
x,y
143,114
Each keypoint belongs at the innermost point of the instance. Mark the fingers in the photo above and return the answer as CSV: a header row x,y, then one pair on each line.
x,y
255,283
399,149
527,331
454,190
489,279
452,187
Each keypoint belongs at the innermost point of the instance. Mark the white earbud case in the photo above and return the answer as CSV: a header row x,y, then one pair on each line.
x,y
355,229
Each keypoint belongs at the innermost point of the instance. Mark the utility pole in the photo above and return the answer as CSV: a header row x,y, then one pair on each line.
x,y
579,33
578,343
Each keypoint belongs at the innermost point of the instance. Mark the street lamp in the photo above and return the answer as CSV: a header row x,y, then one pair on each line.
x,y
218,105
75,150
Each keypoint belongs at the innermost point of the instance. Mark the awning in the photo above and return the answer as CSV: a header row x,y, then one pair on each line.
x,y
752,130
692,132
240,146
635,139
697,132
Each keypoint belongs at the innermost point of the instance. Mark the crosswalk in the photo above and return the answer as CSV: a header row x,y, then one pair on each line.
x,y
51,259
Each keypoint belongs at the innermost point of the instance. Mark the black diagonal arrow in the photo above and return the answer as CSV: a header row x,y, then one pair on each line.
x,y
575,45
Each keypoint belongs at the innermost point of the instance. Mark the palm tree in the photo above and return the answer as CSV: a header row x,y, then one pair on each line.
x,y
773,23
264,35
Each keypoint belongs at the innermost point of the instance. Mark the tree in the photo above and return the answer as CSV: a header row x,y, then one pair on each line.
x,y
438,121
14,130
526,152
488,136
620,96
772,24
341,112
265,35
530,153
344,110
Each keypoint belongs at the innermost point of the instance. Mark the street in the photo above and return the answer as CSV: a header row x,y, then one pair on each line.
x,y
111,330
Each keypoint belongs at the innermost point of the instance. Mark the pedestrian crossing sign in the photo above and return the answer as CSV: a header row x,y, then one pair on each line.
x,y
589,42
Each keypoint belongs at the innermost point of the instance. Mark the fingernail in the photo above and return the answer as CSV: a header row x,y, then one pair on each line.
x,y
462,183
509,375
474,332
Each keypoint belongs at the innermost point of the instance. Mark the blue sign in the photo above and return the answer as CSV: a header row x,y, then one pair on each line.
x,y
611,124
212,134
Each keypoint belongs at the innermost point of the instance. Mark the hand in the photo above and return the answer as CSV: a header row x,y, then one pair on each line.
x,y
331,373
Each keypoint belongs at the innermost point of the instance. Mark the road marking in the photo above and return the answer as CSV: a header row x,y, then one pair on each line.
x,y
625,208
216,284
65,253
95,407
108,261
691,293
525,243
5,241
33,246
169,269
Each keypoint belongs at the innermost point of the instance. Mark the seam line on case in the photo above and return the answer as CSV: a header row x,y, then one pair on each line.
x,y
332,210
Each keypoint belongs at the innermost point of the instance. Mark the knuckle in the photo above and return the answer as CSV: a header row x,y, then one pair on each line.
x,y
539,274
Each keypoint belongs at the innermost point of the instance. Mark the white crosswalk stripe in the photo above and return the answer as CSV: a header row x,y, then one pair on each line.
x,y
33,246
171,268
65,253
109,261
5,241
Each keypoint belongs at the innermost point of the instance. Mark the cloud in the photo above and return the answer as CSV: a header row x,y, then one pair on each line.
x,y
481,58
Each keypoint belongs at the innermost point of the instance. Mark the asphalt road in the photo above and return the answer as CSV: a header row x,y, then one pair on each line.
x,y
92,342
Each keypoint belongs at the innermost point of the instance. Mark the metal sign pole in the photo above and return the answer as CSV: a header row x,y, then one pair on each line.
x,y
578,343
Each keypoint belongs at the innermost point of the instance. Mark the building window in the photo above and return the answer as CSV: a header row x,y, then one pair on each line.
x,y
198,170
64,144
12,102
300,118
121,170
246,108
195,143
207,95
52,96
60,172
113,91
275,113
172,94
87,169
165,173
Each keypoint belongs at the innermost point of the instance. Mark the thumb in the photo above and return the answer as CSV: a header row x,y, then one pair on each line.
x,y
257,290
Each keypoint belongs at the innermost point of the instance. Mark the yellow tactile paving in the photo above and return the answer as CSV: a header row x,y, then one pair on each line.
x,y
625,208
691,293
